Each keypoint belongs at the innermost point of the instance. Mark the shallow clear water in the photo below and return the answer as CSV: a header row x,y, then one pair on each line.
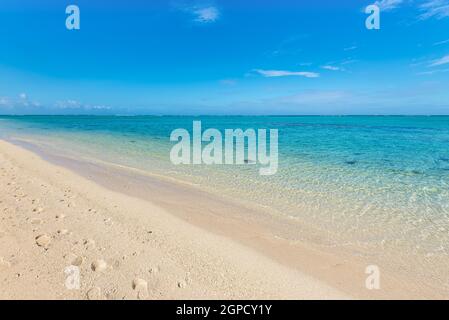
x,y
375,184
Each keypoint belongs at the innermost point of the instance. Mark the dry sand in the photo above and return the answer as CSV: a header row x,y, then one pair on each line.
x,y
125,247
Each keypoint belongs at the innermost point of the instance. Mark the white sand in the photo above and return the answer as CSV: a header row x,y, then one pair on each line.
x,y
126,248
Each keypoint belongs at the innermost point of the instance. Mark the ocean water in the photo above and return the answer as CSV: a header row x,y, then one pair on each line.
x,y
378,185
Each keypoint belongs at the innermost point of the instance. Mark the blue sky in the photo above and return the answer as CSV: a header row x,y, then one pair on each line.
x,y
224,57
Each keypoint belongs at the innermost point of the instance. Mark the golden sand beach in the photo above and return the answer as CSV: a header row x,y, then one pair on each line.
x,y
125,248
155,240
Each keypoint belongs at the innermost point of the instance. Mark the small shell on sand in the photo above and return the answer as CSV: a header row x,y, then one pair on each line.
x,y
99,265
94,294
43,240
38,210
60,216
63,231
36,221
78,261
182,284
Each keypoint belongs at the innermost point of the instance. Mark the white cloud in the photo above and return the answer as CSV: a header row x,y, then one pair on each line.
x,y
332,68
350,48
348,61
68,104
74,104
386,5
24,101
20,101
97,107
283,73
434,8
441,61
22,104
205,14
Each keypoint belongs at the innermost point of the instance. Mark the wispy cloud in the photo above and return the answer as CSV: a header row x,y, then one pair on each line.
x,y
433,72
434,8
429,8
387,5
332,68
439,62
284,73
441,42
205,14
350,48
348,61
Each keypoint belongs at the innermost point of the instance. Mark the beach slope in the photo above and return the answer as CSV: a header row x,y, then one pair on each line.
x,y
52,220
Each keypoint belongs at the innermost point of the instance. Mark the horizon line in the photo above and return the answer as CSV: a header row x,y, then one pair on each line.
x,y
224,115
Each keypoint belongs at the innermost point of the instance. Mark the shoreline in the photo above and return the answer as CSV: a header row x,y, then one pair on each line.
x,y
117,240
344,273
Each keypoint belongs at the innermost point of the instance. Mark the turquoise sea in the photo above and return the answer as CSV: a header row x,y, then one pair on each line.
x,y
375,184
